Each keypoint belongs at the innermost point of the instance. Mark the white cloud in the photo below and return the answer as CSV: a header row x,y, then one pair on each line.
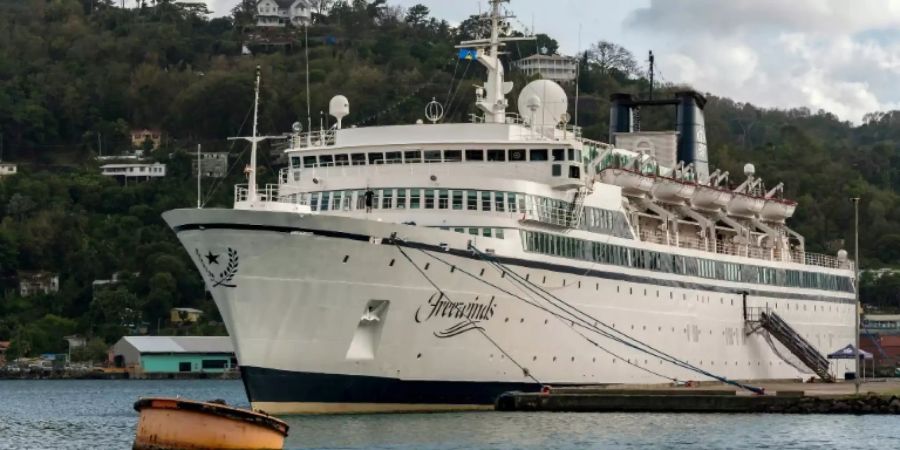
x,y
822,54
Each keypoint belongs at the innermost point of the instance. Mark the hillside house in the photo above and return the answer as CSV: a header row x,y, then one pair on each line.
x,y
278,13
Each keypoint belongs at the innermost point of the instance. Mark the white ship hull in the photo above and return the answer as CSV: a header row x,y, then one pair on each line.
x,y
293,289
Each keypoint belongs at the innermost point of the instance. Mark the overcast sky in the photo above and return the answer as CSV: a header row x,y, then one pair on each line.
x,y
839,55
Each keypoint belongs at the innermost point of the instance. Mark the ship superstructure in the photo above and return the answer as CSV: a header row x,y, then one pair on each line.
x,y
435,265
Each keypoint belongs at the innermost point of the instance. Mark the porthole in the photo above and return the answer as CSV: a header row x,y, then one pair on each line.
x,y
346,257
391,264
427,265
481,274
419,356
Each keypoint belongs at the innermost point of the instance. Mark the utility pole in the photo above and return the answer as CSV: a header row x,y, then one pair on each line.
x,y
199,175
856,271
652,60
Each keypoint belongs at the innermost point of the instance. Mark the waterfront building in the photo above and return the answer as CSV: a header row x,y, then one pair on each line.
x,y
174,354
557,68
278,13
881,323
137,170
34,283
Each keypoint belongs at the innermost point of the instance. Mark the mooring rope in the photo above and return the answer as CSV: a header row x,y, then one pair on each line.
x,y
474,324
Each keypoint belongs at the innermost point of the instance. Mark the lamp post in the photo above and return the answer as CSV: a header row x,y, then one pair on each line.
x,y
856,276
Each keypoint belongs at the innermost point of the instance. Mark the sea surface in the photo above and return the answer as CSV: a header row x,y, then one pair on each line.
x,y
98,415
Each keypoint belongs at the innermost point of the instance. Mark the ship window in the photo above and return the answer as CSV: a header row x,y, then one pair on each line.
x,y
413,156
429,198
358,159
376,199
348,198
442,199
556,170
517,155
538,154
314,201
341,160
326,160
376,158
499,233
432,156
336,200
472,200
457,200
401,198
486,232
498,201
452,155
578,155
485,201
474,155
496,155
459,230
360,200
295,162
473,231
574,172
559,154
511,201
309,161
571,152
392,158
388,198
415,198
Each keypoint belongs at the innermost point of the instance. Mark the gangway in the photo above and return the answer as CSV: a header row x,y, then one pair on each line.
x,y
767,319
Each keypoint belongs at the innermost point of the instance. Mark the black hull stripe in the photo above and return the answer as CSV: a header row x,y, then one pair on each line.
x,y
579,271
271,385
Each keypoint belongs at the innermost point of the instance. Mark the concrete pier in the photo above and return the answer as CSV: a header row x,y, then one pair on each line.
x,y
819,398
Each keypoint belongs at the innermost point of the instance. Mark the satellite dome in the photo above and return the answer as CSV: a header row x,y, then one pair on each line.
x,y
749,169
543,103
842,255
339,107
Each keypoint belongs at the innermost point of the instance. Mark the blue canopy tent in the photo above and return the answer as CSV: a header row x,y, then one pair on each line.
x,y
849,352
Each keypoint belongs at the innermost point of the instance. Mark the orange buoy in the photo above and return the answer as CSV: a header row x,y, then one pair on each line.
x,y
176,424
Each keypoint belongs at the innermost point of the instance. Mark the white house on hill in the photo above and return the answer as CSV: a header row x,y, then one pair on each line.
x,y
278,13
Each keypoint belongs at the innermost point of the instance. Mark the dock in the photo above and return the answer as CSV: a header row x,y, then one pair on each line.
x,y
791,398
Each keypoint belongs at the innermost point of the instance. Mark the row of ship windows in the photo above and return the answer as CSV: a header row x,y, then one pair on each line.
x,y
417,198
478,231
555,245
544,209
435,156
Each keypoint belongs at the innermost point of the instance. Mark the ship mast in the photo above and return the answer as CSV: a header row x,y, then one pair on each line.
x,y
491,98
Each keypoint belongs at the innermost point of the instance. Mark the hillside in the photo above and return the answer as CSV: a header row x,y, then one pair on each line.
x,y
74,78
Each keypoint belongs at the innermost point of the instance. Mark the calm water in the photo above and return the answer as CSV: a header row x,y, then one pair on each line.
x,y
98,415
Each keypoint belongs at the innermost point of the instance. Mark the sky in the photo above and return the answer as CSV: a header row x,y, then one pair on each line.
x,y
842,56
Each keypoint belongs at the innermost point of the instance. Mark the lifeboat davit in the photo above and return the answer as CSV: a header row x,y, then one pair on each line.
x,y
777,210
708,198
743,205
670,190
633,184
178,424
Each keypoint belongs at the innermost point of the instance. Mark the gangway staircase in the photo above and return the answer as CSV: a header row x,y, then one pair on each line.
x,y
765,318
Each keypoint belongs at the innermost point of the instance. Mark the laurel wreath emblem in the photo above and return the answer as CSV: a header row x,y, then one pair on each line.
x,y
227,275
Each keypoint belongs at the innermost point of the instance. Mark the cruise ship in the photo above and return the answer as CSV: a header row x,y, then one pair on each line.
x,y
432,266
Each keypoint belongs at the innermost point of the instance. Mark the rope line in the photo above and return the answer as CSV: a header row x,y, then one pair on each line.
x,y
554,314
640,345
524,369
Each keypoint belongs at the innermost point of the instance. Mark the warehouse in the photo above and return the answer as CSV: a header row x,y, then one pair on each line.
x,y
175,354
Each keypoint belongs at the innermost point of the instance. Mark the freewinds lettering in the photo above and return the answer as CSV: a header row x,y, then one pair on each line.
x,y
466,315
439,306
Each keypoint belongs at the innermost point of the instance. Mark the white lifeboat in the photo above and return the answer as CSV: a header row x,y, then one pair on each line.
x,y
633,184
777,210
743,205
708,198
670,190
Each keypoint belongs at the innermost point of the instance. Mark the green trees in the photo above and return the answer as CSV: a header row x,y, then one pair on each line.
x,y
74,78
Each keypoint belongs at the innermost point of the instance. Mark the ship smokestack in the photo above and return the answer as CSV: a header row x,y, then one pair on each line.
x,y
621,109
692,132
